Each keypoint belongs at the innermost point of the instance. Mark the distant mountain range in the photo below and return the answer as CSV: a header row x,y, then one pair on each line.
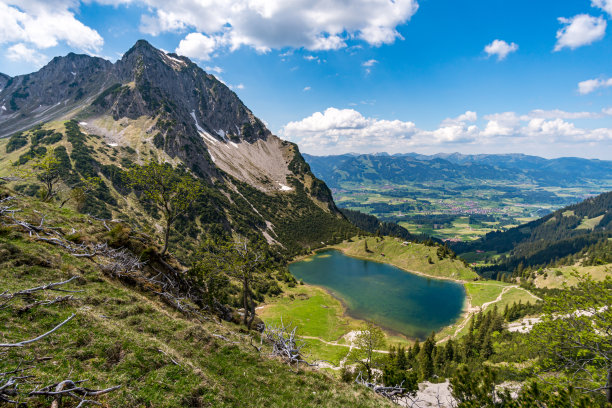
x,y
460,168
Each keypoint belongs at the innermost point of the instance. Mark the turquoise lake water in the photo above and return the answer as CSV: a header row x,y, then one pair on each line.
x,y
403,302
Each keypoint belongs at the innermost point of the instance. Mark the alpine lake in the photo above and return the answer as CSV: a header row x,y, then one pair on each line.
x,y
399,301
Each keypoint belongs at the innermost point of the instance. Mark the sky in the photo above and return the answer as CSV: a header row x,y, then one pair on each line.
x,y
365,76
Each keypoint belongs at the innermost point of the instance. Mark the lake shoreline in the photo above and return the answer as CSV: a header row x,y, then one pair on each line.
x,y
365,258
347,311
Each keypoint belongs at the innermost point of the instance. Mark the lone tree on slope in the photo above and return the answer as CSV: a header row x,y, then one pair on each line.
x,y
169,190
369,339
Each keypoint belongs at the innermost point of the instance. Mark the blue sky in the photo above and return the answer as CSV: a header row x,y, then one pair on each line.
x,y
477,76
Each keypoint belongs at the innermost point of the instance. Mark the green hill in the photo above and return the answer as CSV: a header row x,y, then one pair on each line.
x,y
580,232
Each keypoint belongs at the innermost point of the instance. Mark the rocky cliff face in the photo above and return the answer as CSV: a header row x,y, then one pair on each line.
x,y
3,80
64,84
151,104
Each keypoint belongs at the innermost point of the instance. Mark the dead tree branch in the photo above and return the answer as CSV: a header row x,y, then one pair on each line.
x,y
286,345
7,297
42,336
396,394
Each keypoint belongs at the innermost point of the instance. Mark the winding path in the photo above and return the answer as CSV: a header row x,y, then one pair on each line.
x,y
475,309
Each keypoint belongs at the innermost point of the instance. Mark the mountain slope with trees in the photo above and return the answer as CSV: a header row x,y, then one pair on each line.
x,y
93,314
577,232
99,119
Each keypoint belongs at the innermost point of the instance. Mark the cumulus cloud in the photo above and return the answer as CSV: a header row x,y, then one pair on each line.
x,y
20,52
277,24
502,124
468,116
605,5
500,48
197,45
39,25
580,30
306,89
591,85
347,130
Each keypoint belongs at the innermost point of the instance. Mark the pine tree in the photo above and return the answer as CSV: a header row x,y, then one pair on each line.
x,y
425,358
449,350
402,362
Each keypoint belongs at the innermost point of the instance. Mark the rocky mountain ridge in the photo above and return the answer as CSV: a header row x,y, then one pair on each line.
x,y
152,105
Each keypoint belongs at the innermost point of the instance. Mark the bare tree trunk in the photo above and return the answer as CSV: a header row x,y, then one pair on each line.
x,y
252,313
48,193
245,302
166,236
609,385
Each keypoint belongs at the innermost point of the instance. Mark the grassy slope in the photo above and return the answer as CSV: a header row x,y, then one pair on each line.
x,y
555,277
320,319
118,331
313,310
412,257
480,293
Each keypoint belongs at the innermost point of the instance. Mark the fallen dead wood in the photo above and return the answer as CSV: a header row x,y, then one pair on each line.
x,y
397,394
72,389
7,297
42,336
286,345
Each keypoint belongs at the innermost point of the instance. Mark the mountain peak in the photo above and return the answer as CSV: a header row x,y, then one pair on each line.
x,y
141,45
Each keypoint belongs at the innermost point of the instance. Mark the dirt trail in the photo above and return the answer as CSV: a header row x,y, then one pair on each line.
x,y
475,309
350,336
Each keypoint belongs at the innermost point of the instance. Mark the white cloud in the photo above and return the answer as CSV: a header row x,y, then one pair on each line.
x,y
306,89
502,124
216,69
278,24
500,48
19,52
197,45
347,130
591,85
42,25
332,42
240,86
310,58
580,30
560,114
468,116
605,5
369,63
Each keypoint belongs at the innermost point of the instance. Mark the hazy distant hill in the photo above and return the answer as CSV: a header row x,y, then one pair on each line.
x,y
406,168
